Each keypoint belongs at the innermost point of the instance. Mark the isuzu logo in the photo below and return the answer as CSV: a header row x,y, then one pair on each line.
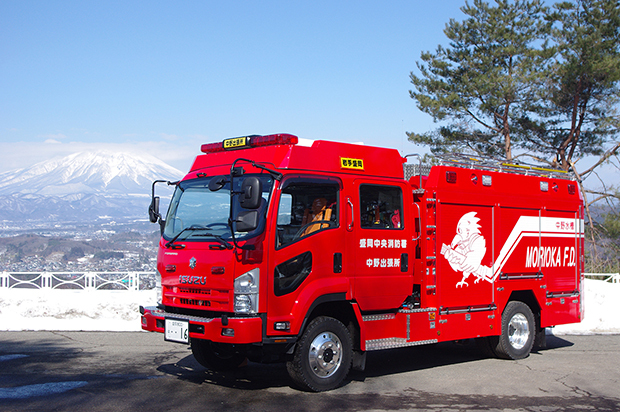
x,y
193,280
192,263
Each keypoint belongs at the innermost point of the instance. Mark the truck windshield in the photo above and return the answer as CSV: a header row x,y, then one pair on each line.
x,y
202,214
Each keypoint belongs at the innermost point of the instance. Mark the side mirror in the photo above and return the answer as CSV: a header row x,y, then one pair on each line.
x,y
251,193
154,210
247,221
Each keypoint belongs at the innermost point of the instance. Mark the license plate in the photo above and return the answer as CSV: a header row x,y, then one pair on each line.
x,y
176,330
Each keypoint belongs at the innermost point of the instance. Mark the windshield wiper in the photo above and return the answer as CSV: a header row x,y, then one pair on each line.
x,y
183,231
219,239
193,228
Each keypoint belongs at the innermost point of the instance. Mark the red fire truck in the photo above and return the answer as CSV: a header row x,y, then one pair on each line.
x,y
275,249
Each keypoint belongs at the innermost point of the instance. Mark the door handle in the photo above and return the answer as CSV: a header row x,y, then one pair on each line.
x,y
404,262
420,220
350,226
337,262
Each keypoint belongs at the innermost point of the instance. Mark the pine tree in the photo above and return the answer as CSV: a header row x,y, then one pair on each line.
x,y
519,79
483,80
575,112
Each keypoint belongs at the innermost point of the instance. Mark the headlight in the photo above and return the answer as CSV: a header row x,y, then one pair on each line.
x,y
246,292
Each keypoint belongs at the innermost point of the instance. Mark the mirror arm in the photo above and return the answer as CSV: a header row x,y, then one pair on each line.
x,y
230,225
276,175
233,173
154,208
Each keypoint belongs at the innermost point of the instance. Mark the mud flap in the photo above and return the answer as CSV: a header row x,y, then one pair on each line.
x,y
540,340
359,360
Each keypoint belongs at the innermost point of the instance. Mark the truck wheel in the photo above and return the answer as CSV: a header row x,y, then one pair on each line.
x,y
322,358
217,356
518,331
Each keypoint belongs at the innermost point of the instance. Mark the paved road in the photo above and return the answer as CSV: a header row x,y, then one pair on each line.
x,y
80,371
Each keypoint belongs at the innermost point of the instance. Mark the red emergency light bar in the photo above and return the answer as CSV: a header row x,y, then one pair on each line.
x,y
246,142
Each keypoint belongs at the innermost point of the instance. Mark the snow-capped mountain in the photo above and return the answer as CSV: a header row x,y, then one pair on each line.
x,y
82,187
88,172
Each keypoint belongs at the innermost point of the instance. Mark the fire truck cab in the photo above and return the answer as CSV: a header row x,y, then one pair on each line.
x,y
314,253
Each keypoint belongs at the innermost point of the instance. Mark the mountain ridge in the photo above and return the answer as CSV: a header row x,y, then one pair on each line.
x,y
82,187
88,172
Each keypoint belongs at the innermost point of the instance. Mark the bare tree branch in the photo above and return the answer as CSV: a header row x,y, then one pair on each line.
x,y
611,152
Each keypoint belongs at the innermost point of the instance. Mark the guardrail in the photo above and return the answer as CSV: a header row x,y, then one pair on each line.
x,y
78,280
125,280
607,277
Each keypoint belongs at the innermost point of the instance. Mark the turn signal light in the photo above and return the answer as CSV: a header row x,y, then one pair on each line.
x,y
282,326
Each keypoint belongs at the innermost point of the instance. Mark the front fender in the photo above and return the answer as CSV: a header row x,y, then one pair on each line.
x,y
313,294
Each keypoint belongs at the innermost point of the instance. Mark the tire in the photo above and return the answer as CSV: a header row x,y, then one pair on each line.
x,y
218,356
322,357
518,332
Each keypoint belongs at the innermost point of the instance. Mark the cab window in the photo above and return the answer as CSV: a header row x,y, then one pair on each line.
x,y
307,206
381,207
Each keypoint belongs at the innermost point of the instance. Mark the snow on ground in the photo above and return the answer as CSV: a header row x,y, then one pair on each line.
x,y
72,310
602,310
99,310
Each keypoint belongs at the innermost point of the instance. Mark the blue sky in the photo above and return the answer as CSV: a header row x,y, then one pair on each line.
x,y
164,77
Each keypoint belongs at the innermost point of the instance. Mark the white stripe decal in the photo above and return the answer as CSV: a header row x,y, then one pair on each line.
x,y
534,226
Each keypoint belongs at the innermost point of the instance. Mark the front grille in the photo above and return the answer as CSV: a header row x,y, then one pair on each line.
x,y
195,291
194,302
194,298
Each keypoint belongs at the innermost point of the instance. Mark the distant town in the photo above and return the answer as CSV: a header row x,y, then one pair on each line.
x,y
114,247
84,212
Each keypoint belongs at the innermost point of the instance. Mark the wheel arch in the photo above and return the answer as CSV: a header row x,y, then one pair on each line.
x,y
338,307
500,345
527,297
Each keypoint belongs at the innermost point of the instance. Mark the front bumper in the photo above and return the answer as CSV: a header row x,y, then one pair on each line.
x,y
238,330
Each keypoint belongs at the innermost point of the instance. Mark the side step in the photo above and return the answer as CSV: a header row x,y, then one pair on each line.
x,y
395,330
390,343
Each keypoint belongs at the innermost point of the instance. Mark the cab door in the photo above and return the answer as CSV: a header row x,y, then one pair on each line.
x,y
306,262
382,246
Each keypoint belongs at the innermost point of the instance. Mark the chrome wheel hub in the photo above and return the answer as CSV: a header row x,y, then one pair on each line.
x,y
518,331
325,354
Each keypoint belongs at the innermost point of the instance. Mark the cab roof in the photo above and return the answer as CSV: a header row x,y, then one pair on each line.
x,y
285,151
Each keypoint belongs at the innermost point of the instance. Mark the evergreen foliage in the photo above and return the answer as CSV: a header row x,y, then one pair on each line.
x,y
523,80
